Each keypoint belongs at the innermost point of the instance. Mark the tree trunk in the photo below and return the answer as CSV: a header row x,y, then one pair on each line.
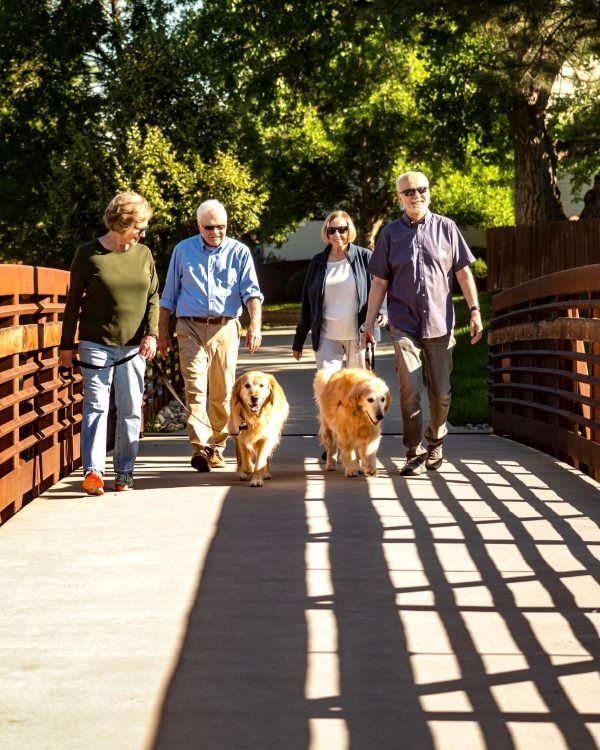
x,y
591,200
537,197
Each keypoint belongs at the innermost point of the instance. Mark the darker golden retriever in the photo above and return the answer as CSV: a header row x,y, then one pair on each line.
x,y
259,403
352,403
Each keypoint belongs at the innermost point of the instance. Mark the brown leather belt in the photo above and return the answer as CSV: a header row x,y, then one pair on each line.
x,y
211,321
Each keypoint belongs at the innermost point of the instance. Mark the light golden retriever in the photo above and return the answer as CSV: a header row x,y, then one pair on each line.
x,y
257,401
352,403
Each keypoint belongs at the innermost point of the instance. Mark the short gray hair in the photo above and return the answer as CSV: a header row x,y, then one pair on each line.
x,y
210,205
410,173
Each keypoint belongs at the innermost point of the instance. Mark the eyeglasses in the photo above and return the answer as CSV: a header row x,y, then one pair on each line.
x,y
409,192
332,230
212,227
141,230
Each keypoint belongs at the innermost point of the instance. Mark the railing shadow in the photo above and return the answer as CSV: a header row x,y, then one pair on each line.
x,y
394,613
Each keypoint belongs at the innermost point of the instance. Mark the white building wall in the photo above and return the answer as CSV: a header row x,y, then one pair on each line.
x,y
306,240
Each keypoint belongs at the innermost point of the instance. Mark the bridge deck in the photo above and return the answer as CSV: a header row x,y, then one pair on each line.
x,y
458,609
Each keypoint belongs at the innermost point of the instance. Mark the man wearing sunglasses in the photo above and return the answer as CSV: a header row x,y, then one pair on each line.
x,y
210,275
415,261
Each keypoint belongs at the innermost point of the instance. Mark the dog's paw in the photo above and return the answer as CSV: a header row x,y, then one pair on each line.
x,y
370,471
267,475
256,482
330,465
351,472
242,475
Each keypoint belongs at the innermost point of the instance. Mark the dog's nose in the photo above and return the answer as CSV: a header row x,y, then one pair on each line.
x,y
254,399
379,417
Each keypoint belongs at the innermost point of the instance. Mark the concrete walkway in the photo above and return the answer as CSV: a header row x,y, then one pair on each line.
x,y
456,610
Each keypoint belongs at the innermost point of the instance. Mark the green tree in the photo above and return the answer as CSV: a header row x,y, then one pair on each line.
x,y
46,95
175,183
326,104
527,45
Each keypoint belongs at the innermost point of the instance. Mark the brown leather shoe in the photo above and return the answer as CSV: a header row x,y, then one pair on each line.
x,y
216,460
200,460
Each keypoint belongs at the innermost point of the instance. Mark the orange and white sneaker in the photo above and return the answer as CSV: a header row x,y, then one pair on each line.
x,y
93,484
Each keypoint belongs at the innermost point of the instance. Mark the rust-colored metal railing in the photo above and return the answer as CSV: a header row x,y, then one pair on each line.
x,y
544,382
40,414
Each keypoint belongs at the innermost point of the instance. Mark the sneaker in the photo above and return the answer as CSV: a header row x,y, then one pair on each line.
x,y
216,460
93,484
435,457
200,459
414,465
123,481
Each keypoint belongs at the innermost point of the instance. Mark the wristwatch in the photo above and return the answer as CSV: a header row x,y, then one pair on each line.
x,y
476,307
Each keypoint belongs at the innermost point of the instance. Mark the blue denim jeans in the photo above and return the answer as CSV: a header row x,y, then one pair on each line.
x,y
129,389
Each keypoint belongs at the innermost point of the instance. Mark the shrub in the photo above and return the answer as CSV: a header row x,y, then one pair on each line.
x,y
293,286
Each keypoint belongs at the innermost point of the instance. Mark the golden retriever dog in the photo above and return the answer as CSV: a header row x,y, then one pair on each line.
x,y
259,403
352,403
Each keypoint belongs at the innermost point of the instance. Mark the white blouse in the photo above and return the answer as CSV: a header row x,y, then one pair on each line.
x,y
340,302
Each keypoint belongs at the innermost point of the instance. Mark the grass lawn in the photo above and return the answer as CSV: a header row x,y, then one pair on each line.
x,y
470,374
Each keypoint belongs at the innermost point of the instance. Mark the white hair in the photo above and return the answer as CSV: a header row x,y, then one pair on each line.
x,y
404,176
210,205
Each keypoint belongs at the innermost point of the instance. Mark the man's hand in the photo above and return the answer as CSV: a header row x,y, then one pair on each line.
x,y
296,355
164,337
164,341
368,336
382,320
475,326
253,338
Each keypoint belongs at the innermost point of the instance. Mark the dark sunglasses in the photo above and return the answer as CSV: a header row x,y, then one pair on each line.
x,y
409,192
211,227
332,230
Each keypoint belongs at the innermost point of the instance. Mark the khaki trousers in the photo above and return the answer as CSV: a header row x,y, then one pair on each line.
x,y
208,357
437,353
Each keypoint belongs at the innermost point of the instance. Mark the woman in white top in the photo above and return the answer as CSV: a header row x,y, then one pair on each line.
x,y
334,298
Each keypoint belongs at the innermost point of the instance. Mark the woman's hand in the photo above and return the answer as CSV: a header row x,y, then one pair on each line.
x,y
148,347
296,355
65,357
382,320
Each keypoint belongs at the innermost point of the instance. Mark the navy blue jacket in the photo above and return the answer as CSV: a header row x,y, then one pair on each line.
x,y
311,313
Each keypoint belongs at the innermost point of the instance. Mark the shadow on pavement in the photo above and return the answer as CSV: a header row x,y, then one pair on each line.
x,y
448,610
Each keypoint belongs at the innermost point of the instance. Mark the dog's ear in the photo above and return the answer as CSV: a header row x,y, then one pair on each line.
x,y
355,397
276,395
235,395
388,400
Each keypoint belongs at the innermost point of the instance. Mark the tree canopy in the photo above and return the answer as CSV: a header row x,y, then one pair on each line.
x,y
287,110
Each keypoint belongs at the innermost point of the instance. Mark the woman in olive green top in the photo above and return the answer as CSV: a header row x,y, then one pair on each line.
x,y
113,297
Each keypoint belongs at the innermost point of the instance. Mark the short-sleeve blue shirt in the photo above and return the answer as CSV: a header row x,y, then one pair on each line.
x,y
207,281
419,260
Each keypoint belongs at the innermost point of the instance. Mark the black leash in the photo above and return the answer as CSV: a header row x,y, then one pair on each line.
x,y
370,356
66,373
167,382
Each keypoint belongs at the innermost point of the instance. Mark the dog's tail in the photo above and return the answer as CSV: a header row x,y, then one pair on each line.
x,y
319,383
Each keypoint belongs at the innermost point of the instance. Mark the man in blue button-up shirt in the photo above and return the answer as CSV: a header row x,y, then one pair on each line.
x,y
210,275
415,261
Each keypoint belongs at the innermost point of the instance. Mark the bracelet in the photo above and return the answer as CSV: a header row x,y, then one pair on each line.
x,y
152,336
476,307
